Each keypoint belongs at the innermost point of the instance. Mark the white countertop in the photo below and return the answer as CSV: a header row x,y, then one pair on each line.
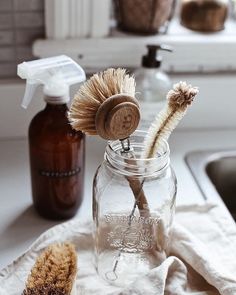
x,y
20,225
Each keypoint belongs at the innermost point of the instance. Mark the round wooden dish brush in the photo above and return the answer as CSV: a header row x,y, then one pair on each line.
x,y
105,105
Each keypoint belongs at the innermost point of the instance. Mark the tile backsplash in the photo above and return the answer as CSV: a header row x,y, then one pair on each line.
x,y
21,22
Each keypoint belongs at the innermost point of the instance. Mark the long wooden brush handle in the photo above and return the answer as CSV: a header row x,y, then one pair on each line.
x,y
137,189
140,198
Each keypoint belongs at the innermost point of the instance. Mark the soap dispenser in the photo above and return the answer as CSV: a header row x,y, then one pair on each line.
x,y
152,84
56,151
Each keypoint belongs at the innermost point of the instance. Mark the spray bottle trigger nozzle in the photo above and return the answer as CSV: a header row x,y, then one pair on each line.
x,y
56,73
29,92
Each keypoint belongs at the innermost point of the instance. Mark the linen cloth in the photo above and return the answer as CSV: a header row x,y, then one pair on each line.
x,y
202,259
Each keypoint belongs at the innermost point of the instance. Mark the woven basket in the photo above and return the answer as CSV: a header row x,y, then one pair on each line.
x,y
143,16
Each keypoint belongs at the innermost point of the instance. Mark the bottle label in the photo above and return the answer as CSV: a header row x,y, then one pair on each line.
x,y
60,174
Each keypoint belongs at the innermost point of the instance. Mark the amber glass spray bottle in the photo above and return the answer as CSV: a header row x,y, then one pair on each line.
x,y
56,151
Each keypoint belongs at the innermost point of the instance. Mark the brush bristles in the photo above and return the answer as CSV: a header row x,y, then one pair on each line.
x,y
181,95
93,93
160,130
54,271
179,99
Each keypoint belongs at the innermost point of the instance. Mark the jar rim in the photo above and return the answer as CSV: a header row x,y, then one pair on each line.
x,y
127,163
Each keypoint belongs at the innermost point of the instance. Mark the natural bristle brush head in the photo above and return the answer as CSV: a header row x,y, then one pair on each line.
x,y
105,105
54,271
178,100
182,95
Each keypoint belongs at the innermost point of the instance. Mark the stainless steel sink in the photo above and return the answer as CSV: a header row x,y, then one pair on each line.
x,y
215,174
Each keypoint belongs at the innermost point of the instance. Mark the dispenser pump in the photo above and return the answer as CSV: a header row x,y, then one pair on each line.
x,y
153,59
55,73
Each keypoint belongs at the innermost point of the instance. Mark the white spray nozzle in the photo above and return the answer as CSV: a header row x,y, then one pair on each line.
x,y
55,73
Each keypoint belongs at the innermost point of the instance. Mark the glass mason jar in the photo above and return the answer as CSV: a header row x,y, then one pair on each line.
x,y
133,207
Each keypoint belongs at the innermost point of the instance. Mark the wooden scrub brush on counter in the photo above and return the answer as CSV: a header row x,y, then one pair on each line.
x,y
54,272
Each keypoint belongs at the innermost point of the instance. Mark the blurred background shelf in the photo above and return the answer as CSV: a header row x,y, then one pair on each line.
x,y
194,52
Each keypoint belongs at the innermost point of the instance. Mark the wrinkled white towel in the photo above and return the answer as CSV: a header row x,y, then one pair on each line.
x,y
202,261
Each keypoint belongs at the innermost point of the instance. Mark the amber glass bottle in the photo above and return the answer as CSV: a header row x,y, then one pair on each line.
x,y
57,155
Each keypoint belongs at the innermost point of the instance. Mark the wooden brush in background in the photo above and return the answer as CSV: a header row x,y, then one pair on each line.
x,y
178,100
54,271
